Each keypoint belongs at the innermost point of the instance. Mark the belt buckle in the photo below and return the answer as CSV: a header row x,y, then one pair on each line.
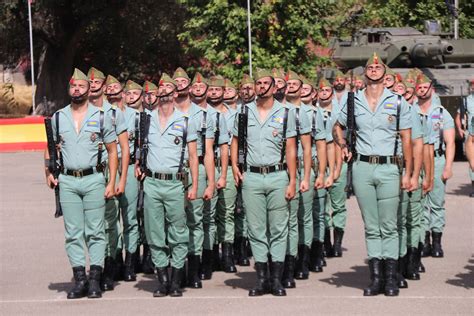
x,y
264,170
161,176
374,159
77,173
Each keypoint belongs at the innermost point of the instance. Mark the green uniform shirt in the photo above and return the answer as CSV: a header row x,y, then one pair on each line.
x,y
164,146
223,129
265,139
469,110
376,131
229,117
80,150
304,124
196,118
132,122
318,130
118,121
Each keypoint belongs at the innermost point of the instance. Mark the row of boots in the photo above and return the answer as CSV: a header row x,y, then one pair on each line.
x,y
432,246
84,286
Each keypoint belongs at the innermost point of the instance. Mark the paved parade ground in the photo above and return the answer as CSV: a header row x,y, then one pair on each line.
x,y
35,273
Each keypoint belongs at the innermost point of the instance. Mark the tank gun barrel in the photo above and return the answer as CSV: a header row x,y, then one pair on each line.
x,y
432,50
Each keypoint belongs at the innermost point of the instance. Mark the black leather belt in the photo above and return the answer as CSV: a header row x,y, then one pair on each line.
x,y
80,173
164,176
378,160
268,169
201,160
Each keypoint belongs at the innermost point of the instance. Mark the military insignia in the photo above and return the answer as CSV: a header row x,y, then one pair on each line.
x,y
92,123
61,139
389,106
131,136
390,118
276,119
93,137
176,140
275,133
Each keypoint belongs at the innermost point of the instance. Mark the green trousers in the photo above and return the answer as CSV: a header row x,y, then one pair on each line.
x,y
209,218
165,222
225,210
292,243
128,207
402,222
415,231
336,202
83,205
377,189
112,227
435,213
267,214
318,206
240,221
195,213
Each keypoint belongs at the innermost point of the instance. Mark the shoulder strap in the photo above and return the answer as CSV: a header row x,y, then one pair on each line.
x,y
203,132
136,134
441,134
297,121
114,116
217,133
285,125
58,140
313,121
183,146
101,140
397,136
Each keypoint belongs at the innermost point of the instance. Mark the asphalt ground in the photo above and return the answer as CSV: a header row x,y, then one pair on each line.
x,y
35,274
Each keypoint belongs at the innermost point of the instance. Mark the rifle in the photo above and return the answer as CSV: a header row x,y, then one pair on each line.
x,y
462,112
242,154
350,136
54,160
143,142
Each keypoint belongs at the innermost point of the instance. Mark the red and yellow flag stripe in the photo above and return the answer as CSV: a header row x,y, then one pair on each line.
x,y
22,134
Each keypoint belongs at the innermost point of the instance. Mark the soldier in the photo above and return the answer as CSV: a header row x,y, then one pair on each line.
x,y
81,132
389,79
463,126
241,242
112,226
171,139
150,96
280,83
339,85
441,125
199,231
268,184
359,82
308,92
230,94
376,171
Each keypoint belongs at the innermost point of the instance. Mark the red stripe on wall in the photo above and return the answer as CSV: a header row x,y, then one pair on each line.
x,y
23,120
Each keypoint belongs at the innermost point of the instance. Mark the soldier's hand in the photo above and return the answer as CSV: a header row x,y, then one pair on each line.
x,y
50,181
304,186
192,193
447,174
221,183
208,193
238,177
120,188
109,191
346,154
329,182
426,186
290,192
405,182
413,184
319,183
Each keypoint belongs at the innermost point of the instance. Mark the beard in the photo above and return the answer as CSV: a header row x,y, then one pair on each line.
x,y
339,87
280,94
215,101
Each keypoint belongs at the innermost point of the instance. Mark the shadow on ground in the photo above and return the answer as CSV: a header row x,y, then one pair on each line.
x,y
244,280
357,278
463,189
465,280
61,287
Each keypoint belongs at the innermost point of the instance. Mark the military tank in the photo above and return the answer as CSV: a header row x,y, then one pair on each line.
x,y
448,62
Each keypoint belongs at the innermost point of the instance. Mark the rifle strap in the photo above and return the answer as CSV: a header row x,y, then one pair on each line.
x,y
397,128
58,141
183,146
114,116
313,122
217,133
101,141
285,125
136,135
441,134
297,121
203,133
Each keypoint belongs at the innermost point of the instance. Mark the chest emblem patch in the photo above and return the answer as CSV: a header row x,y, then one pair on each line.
x,y
176,140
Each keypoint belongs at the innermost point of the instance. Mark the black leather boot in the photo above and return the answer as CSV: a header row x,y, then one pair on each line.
x,y
129,271
107,282
241,252
401,282
262,287
79,289
119,266
436,249
376,271
138,261
421,267
147,263
277,287
193,281
216,258
288,272
411,272
426,246
328,250
176,278
302,263
94,282
205,272
228,258
163,282
337,248
391,288
316,256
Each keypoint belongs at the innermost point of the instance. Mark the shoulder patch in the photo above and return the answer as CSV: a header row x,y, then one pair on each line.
x,y
389,105
277,119
177,127
92,123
